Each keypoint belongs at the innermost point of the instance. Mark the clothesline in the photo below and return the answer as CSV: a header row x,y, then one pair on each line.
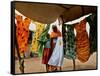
x,y
78,20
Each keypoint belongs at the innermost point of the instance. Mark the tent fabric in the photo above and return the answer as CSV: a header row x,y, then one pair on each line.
x,y
44,13
48,13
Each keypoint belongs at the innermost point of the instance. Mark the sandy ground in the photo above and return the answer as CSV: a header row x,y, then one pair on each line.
x,y
33,65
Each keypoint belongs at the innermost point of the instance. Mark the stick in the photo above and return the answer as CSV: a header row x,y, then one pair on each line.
x,y
74,64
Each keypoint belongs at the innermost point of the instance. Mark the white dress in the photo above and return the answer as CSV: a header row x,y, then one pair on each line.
x,y
57,56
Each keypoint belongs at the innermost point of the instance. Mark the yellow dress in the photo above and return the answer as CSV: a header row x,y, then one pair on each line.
x,y
35,43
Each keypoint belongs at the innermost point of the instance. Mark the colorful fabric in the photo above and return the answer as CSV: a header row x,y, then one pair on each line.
x,y
69,43
22,33
43,40
92,20
82,41
35,43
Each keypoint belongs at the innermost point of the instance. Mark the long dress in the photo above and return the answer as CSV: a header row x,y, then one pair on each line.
x,y
46,53
69,42
92,19
82,42
35,43
22,33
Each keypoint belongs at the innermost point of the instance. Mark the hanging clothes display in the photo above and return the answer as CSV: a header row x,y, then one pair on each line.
x,y
22,33
69,42
82,42
35,43
92,20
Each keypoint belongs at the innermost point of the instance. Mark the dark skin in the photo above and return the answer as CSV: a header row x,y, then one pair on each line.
x,y
54,29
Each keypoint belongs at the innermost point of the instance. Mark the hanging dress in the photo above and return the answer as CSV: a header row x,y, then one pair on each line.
x,y
22,33
70,42
64,38
92,20
35,43
56,58
43,40
82,42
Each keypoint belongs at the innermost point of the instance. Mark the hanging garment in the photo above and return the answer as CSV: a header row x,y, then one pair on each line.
x,y
64,38
35,43
22,33
70,42
92,20
43,40
82,41
56,58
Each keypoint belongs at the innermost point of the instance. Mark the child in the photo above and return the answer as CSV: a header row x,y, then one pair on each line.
x,y
46,53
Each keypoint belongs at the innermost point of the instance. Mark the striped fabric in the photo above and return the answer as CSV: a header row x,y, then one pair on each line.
x,y
82,41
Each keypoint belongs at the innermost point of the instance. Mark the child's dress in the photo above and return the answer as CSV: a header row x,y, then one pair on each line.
x,y
46,53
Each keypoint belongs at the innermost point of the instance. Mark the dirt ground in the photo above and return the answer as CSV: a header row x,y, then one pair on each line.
x,y
33,65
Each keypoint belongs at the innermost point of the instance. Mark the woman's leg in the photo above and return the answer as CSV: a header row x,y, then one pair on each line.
x,y
59,68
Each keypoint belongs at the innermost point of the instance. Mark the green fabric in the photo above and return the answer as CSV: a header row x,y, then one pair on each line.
x,y
69,47
92,20
42,40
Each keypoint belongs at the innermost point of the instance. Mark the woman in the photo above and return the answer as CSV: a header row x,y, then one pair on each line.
x,y
56,58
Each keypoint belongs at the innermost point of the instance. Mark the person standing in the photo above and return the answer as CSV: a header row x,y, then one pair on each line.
x,y
56,58
46,52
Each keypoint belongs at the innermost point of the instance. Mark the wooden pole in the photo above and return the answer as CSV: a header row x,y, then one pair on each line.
x,y
74,64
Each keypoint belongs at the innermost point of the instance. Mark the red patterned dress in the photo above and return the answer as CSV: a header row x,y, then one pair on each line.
x,y
22,33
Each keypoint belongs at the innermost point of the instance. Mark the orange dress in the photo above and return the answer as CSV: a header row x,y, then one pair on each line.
x,y
22,33
82,42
